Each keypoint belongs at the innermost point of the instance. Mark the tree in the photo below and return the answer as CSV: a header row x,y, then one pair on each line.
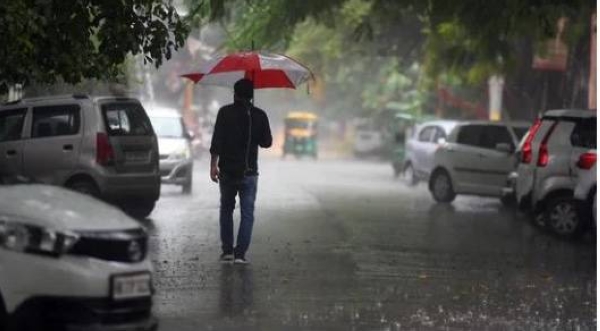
x,y
46,41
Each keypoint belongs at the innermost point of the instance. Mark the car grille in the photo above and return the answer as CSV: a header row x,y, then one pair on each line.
x,y
119,246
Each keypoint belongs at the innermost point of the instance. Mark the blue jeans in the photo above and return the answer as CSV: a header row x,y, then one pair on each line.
x,y
246,188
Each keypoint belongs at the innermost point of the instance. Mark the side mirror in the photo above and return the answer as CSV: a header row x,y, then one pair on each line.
x,y
504,147
441,141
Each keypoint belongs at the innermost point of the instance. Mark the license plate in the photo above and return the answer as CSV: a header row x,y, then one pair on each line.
x,y
131,286
137,157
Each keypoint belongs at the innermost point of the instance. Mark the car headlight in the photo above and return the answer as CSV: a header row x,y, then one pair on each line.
x,y
17,235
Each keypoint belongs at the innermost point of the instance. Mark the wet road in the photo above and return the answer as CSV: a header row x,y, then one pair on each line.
x,y
342,246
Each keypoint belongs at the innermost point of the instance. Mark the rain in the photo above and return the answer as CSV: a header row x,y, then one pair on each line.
x,y
421,165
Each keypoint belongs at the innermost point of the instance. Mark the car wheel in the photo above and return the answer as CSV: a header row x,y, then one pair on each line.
x,y
562,217
84,186
409,176
441,187
508,200
139,209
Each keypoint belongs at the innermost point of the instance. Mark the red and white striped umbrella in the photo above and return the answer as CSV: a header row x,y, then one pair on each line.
x,y
265,70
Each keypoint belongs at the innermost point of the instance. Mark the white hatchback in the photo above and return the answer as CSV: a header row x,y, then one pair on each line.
x,y
476,159
69,261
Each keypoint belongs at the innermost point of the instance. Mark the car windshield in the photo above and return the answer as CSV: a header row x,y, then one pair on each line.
x,y
167,127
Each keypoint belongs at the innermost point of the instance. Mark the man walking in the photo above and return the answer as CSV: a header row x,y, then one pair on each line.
x,y
239,130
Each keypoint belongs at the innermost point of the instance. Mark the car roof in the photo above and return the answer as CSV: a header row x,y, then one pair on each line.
x,y
448,125
65,97
524,124
577,113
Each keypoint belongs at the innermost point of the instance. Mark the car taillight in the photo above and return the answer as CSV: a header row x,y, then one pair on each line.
x,y
526,151
105,154
586,161
544,155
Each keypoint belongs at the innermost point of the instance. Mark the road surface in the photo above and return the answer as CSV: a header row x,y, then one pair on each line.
x,y
341,245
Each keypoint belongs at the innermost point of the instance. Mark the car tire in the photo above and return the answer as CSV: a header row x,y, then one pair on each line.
x,y
3,315
140,209
441,188
84,186
409,176
508,200
562,217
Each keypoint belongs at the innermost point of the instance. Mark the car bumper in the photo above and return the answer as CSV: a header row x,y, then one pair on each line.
x,y
26,276
126,186
175,172
76,313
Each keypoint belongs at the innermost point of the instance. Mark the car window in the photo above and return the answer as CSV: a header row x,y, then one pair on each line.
x,y
470,135
584,134
11,124
126,119
494,135
168,127
425,134
439,134
53,121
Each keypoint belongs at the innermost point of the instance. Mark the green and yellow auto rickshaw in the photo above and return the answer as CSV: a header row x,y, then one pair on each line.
x,y
300,134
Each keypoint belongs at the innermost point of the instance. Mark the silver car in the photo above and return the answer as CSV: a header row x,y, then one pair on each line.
x,y
421,147
174,146
102,146
547,172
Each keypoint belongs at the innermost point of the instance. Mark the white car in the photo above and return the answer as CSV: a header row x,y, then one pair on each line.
x,y
585,189
476,159
547,172
421,148
69,261
174,147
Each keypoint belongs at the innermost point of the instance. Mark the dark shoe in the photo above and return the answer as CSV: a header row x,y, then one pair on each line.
x,y
226,258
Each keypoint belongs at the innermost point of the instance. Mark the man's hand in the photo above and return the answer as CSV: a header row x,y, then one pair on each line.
x,y
214,174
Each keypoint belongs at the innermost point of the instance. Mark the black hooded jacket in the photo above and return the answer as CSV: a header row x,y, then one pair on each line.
x,y
238,154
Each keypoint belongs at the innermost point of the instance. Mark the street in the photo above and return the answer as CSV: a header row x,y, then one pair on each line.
x,y
342,245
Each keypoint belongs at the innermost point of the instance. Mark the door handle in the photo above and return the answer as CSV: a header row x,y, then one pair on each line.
x,y
67,148
11,152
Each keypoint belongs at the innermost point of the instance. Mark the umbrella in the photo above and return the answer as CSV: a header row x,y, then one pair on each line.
x,y
265,70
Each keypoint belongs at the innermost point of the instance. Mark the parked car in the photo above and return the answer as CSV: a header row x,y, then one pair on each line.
x,y
102,146
368,143
585,189
174,147
547,173
421,147
476,159
71,262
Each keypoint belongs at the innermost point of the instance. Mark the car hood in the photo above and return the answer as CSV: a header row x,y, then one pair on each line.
x,y
167,146
61,209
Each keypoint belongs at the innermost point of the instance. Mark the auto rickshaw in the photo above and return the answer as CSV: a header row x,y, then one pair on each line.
x,y
300,134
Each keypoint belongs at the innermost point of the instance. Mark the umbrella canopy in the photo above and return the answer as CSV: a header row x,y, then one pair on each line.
x,y
265,70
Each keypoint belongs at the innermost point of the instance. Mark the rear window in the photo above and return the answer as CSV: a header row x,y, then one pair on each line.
x,y
11,124
126,119
53,121
494,135
584,134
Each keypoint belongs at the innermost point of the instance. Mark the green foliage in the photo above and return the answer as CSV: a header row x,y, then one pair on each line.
x,y
45,41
